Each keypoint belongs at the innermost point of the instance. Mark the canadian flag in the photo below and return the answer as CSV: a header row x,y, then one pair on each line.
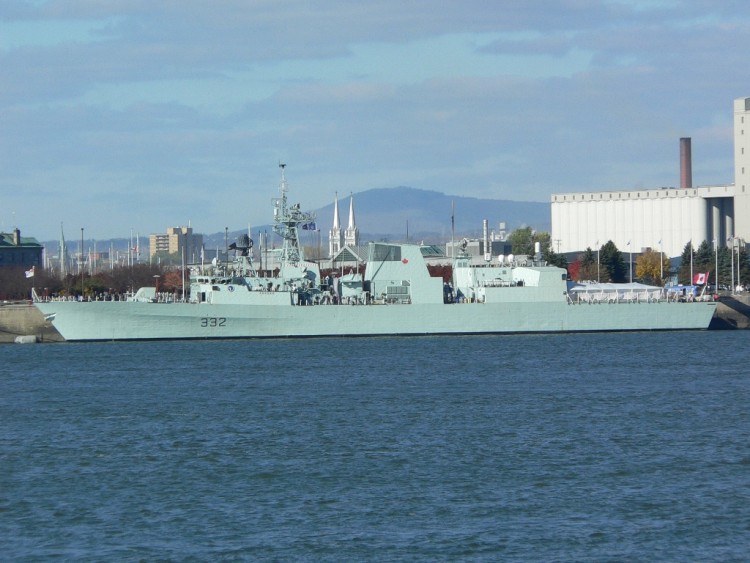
x,y
29,273
700,279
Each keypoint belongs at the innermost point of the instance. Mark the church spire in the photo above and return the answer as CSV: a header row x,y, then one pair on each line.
x,y
62,254
352,232
335,241
336,220
351,212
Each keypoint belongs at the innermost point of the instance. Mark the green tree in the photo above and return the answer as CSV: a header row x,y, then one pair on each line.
x,y
683,274
164,258
589,266
728,266
548,253
704,258
725,267
553,258
744,267
543,238
522,241
612,265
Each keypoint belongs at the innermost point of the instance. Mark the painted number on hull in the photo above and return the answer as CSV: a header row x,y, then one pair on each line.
x,y
213,322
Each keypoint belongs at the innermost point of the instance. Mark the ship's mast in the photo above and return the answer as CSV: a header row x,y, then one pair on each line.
x,y
287,220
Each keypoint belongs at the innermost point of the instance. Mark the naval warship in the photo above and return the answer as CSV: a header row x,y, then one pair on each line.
x,y
395,296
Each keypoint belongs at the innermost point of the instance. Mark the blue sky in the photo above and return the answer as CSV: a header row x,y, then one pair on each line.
x,y
135,114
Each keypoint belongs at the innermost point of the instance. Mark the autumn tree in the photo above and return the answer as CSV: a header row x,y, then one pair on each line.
x,y
171,280
15,285
650,267
573,269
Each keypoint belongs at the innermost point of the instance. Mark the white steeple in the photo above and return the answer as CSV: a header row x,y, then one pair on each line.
x,y
351,237
335,239
62,254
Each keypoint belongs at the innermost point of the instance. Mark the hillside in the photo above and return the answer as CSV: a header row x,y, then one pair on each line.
x,y
383,214
386,212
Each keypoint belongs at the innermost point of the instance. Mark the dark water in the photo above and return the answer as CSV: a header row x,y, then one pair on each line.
x,y
602,447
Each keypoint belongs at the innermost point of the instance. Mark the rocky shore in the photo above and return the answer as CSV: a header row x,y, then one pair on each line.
x,y
24,320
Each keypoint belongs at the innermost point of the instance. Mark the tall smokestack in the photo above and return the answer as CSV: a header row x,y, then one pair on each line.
x,y
686,164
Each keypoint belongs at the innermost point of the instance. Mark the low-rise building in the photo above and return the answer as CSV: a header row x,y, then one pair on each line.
x,y
19,251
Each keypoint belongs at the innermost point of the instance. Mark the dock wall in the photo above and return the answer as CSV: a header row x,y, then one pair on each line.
x,y
23,319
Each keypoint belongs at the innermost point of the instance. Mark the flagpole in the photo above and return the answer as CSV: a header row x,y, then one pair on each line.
x,y
691,262
731,251
184,241
453,229
598,277
453,242
81,263
630,248
661,262
716,265
739,284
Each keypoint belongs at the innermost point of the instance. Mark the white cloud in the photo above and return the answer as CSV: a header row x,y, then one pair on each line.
x,y
181,110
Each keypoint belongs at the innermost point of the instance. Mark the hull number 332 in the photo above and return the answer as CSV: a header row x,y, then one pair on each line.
x,y
213,322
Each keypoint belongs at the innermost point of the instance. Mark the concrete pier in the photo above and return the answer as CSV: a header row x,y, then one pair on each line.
x,y
23,319
733,312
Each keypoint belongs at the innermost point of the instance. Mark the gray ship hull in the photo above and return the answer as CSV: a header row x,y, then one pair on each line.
x,y
113,320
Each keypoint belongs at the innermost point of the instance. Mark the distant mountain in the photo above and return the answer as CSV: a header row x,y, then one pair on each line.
x,y
386,213
383,214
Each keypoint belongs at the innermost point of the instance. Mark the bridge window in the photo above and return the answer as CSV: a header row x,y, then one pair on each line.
x,y
385,253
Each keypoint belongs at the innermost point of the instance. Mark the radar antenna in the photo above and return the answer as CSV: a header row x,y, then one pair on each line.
x,y
287,221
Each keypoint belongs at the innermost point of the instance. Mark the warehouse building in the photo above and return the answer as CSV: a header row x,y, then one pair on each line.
x,y
663,219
